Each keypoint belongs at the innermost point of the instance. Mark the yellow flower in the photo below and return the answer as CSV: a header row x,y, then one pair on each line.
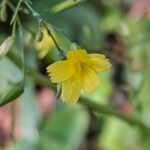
x,y
77,72
45,44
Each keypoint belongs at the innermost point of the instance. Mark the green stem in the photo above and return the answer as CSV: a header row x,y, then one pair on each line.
x,y
16,12
40,20
14,29
61,52
13,119
34,13
105,110
23,53
4,2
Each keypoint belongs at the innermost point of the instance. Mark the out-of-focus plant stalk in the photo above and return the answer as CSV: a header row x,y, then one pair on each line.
x,y
13,119
3,11
101,109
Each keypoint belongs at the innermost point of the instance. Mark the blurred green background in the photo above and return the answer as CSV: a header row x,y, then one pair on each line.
x,y
120,29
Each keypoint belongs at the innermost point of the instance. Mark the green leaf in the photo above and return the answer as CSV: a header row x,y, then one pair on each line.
x,y
30,114
29,121
65,129
65,5
13,93
25,145
17,89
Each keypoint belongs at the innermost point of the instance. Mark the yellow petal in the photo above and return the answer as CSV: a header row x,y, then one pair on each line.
x,y
79,55
45,44
90,80
98,62
60,71
43,53
71,89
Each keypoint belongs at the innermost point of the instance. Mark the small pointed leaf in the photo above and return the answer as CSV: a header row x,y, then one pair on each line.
x,y
65,5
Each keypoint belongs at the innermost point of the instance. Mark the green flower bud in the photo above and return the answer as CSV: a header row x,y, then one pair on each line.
x,y
6,46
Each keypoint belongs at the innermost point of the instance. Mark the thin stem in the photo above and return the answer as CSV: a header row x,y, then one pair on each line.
x,y
58,93
16,11
54,40
40,20
23,52
11,6
13,119
101,109
34,13
4,2
14,29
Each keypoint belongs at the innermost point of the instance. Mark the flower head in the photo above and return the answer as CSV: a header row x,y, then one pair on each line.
x,y
77,72
45,44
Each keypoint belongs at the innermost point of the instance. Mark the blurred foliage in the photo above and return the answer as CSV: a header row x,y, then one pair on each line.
x,y
65,129
88,25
